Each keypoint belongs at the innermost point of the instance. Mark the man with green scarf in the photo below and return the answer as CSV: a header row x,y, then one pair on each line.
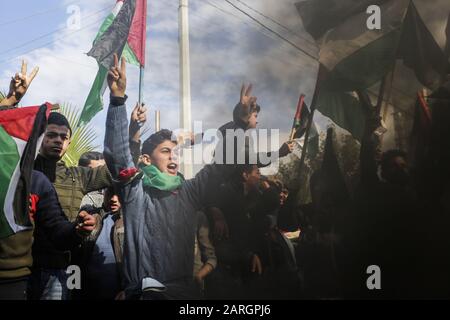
x,y
159,206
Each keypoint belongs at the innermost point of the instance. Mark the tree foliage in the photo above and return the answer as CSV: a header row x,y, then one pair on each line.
x,y
82,139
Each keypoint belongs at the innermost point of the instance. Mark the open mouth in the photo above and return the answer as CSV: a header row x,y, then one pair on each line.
x,y
172,168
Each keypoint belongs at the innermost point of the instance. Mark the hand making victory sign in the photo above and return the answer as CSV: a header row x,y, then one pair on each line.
x,y
19,85
117,77
246,99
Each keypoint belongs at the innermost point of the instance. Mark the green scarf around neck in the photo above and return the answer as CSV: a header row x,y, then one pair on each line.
x,y
154,178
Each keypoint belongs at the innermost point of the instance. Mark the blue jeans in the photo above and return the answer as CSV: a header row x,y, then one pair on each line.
x,y
49,284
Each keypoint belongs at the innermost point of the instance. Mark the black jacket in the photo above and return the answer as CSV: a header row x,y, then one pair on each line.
x,y
237,251
52,229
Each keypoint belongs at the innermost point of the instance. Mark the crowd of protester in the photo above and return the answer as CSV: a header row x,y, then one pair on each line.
x,y
137,229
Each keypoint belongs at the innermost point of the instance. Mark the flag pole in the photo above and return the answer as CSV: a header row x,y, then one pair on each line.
x,y
141,84
306,140
185,83
320,76
298,114
381,93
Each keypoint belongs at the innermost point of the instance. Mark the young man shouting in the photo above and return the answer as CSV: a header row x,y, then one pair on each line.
x,y
159,206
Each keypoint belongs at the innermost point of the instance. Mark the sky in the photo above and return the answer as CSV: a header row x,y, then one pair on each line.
x,y
226,50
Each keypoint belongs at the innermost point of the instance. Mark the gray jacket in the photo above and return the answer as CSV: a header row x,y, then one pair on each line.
x,y
160,226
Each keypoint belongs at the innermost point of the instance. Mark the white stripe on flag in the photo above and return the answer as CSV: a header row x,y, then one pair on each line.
x,y
117,8
9,200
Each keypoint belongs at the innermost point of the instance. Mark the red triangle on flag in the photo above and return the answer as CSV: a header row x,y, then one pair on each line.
x,y
19,122
136,36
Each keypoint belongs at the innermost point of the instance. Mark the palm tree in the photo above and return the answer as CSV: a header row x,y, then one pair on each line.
x,y
82,137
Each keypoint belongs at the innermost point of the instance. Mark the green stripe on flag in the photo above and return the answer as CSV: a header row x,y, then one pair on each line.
x,y
94,101
129,55
9,158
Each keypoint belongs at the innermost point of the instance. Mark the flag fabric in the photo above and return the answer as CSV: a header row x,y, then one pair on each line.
x,y
301,119
344,110
351,56
21,133
420,51
301,122
355,58
135,46
122,31
319,16
429,149
299,126
332,183
447,36
421,132
114,38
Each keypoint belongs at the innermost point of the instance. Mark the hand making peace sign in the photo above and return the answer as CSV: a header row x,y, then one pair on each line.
x,y
117,77
19,84
246,99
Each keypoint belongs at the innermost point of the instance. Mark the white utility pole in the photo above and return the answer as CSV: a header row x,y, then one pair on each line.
x,y
185,81
157,121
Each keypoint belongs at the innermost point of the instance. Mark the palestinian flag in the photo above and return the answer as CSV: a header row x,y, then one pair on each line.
x,y
344,109
299,126
319,16
122,31
419,50
301,118
355,58
21,133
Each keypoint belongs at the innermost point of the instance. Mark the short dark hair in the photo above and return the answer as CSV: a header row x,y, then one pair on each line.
x,y
86,158
58,119
241,113
388,156
240,169
155,140
110,191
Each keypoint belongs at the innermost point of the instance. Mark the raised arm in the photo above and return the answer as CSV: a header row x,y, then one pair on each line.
x,y
117,148
95,178
120,163
137,121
